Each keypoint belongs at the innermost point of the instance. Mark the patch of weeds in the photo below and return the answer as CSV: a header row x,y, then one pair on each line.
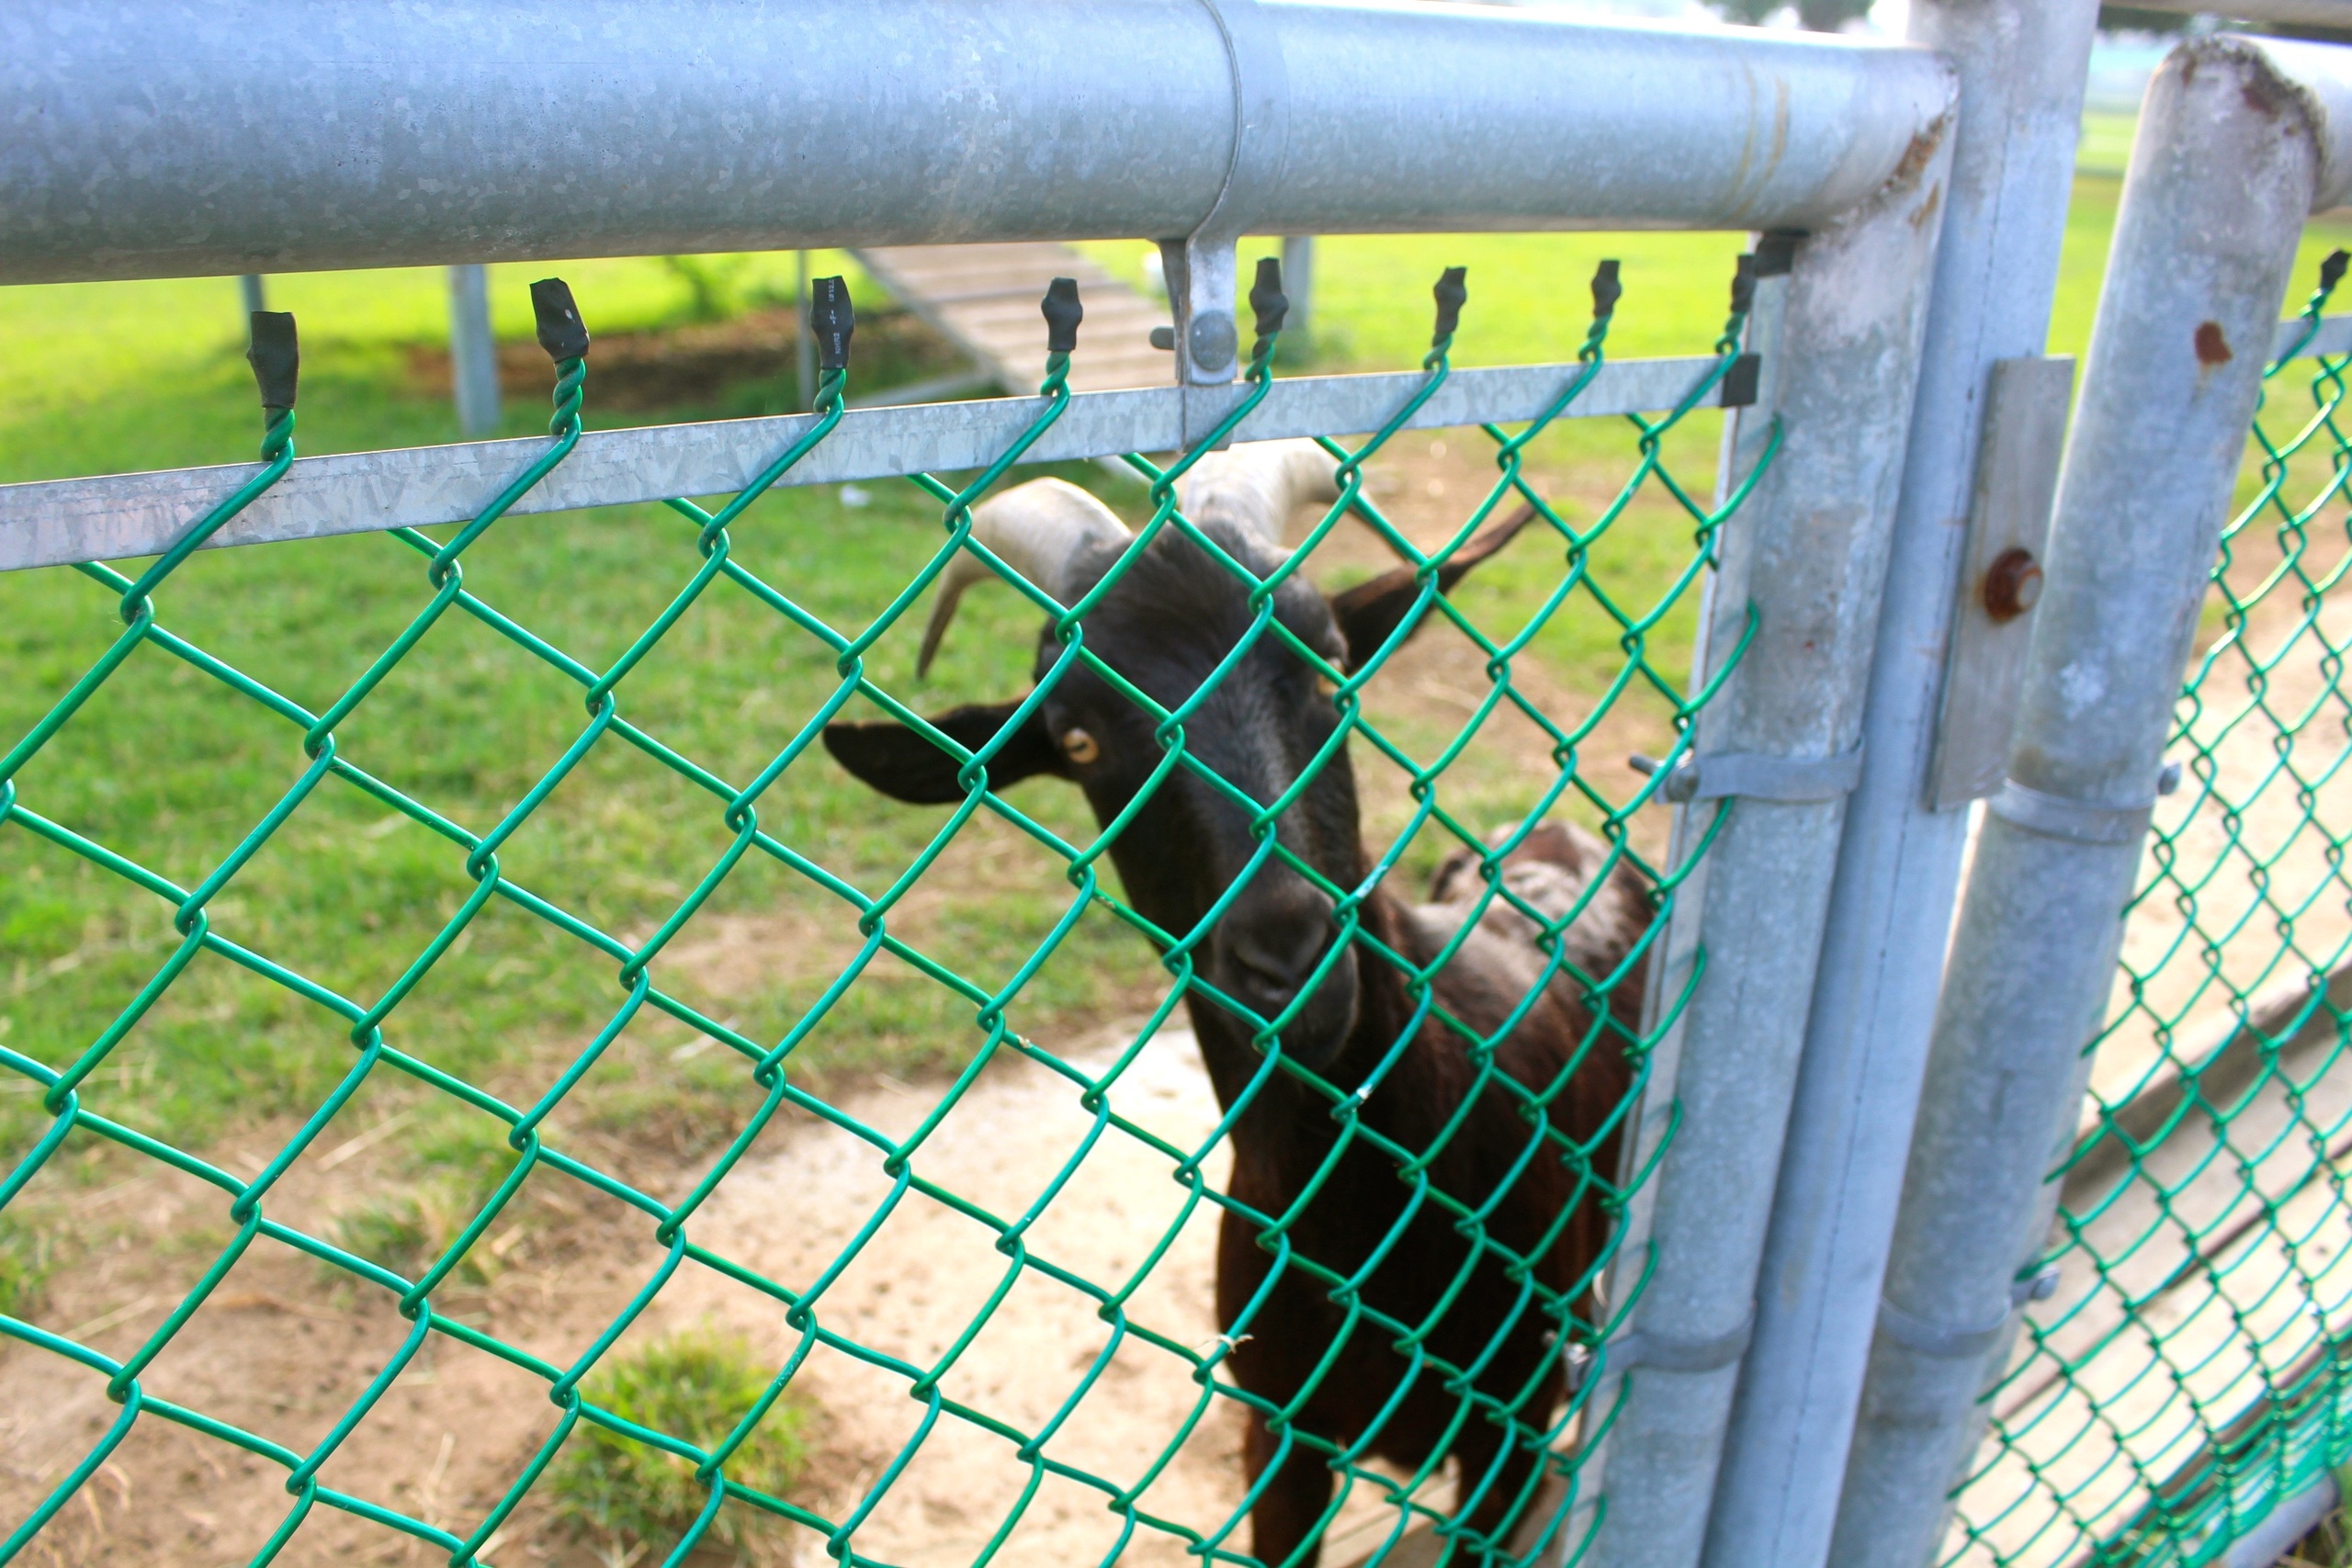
x,y
408,1232
693,1387
25,1255
458,1160
691,1099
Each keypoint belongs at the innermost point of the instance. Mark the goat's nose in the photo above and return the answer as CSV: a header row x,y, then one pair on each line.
x,y
1268,960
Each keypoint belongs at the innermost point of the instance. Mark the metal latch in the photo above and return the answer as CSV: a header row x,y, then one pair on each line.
x,y
2000,578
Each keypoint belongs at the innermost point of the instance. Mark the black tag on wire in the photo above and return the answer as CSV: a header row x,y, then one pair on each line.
x,y
1062,312
831,321
1267,300
276,357
561,332
1606,290
1452,295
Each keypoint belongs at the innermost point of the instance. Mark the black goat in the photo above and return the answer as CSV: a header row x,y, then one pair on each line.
x,y
1168,621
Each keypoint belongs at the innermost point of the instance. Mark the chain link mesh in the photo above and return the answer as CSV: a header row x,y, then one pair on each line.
x,y
745,822
2188,1371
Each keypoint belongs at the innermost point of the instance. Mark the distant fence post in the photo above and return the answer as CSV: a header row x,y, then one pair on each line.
x,y
1791,616
2239,142
1298,287
473,352
2022,65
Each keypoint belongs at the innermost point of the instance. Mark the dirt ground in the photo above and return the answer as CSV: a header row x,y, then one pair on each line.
x,y
2263,856
283,1348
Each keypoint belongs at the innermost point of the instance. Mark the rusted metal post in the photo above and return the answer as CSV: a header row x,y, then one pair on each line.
x,y
2021,65
2240,140
1840,327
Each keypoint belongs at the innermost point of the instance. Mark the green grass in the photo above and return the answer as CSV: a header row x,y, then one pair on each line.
x,y
693,1387
170,768
25,1258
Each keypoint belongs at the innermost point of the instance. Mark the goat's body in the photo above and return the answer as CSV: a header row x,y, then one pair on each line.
x,y
1434,1133
1489,1320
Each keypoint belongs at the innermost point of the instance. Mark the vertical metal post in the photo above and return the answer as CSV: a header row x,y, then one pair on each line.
x,y
2229,159
2021,65
1298,287
473,352
1796,603
804,341
249,290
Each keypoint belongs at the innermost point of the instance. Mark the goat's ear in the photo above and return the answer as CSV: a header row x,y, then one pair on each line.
x,y
910,767
1369,612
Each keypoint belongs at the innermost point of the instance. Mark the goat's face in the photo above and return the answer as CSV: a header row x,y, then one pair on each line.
x,y
1199,829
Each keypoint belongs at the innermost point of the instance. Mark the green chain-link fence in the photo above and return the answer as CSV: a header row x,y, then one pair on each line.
x,y
2188,1370
750,820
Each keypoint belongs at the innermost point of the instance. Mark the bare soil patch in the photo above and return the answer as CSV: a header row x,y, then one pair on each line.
x,y
284,1345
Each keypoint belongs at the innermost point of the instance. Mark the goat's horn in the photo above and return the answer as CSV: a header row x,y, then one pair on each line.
x,y
1040,530
1257,486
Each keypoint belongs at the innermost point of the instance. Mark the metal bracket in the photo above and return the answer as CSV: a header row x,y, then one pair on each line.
x,y
1665,1353
1938,1343
2000,577
2080,821
1934,1340
1203,276
1752,775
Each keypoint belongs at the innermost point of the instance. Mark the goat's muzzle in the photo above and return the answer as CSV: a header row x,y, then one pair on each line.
x,y
1271,944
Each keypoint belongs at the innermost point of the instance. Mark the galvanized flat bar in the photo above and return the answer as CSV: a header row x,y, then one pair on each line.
x,y
55,522
2335,336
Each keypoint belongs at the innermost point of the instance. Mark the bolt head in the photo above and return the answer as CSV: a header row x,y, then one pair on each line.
x,y
1212,340
2012,584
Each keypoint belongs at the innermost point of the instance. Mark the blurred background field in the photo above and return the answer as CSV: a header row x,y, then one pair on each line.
x,y
168,766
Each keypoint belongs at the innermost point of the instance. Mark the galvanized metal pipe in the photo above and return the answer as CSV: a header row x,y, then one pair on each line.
x,y
155,138
2304,13
1805,556
2022,65
2239,141
473,350
1298,284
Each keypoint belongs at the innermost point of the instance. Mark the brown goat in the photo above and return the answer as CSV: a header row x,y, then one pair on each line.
x,y
1446,1337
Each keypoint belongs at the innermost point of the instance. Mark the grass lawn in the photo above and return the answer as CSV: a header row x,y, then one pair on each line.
x,y
171,768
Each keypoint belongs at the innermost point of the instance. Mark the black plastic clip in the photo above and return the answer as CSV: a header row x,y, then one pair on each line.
x,y
2331,270
1742,381
831,321
276,359
1267,300
1451,295
1062,312
1776,252
1606,291
1743,284
561,332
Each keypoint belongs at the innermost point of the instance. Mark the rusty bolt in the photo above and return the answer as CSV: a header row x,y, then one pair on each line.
x,y
2012,584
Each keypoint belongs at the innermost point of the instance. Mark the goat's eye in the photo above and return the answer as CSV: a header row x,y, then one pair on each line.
x,y
1325,688
1080,747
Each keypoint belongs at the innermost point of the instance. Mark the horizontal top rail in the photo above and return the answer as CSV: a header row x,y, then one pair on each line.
x,y
2302,13
55,522
154,138
2334,337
